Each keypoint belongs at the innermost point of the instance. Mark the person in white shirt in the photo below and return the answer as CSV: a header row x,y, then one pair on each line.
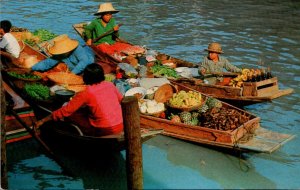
x,y
10,49
8,43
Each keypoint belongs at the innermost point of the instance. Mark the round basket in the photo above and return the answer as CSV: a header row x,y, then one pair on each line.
x,y
77,88
65,78
164,93
195,107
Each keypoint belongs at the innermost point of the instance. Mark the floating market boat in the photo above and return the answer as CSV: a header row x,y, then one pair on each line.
x,y
225,127
248,93
66,131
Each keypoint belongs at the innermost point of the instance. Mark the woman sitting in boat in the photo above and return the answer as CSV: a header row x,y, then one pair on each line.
x,y
97,109
68,51
104,33
214,63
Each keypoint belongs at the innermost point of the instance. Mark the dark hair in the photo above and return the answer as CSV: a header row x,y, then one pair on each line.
x,y
93,74
5,25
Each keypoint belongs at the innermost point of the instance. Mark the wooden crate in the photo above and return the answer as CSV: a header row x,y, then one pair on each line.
x,y
260,88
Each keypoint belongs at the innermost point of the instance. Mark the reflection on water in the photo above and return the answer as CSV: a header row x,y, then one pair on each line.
x,y
253,34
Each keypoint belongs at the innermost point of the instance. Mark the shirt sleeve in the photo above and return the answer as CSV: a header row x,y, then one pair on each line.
x,y
89,30
83,59
73,105
44,64
203,65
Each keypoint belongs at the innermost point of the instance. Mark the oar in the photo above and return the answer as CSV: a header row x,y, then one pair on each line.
x,y
40,141
105,34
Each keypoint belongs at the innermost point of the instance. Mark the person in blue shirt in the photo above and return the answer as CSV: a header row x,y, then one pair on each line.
x,y
68,51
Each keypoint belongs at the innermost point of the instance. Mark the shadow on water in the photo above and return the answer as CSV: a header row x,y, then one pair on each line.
x,y
89,168
232,168
96,167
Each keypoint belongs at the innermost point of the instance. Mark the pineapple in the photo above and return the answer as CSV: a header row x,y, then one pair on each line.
x,y
193,121
195,114
185,116
203,109
213,102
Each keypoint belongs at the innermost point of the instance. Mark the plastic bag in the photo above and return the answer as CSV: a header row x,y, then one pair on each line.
x,y
122,85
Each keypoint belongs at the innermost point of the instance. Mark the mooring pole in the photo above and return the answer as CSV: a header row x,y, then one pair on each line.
x,y
134,159
4,181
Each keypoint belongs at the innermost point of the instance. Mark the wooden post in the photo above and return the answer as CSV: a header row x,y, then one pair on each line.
x,y
134,159
4,182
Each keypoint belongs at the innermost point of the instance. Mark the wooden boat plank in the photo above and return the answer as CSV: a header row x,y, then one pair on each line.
x,y
265,141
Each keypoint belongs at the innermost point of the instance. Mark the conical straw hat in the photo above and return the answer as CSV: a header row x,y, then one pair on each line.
x,y
106,7
62,44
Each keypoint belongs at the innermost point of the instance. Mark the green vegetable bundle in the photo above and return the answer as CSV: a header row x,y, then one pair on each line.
x,y
24,76
37,91
44,34
163,70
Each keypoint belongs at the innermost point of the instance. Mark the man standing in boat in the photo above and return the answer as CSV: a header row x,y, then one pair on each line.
x,y
214,63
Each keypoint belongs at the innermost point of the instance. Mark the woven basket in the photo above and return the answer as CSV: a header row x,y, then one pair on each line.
x,y
65,78
186,108
156,114
76,88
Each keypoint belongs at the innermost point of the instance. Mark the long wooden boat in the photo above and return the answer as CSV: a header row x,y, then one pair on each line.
x,y
65,130
249,136
249,93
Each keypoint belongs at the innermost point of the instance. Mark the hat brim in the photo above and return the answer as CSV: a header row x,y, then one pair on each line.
x,y
101,13
72,46
210,50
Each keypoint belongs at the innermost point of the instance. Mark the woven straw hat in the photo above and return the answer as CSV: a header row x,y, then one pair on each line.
x,y
106,7
62,44
214,47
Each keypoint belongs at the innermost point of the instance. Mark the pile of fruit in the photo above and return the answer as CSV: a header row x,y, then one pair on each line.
x,y
184,99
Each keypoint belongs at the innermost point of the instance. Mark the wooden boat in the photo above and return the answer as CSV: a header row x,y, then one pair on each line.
x,y
65,130
250,93
249,136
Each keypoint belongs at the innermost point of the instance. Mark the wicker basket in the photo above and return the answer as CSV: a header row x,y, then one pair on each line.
x,y
156,114
76,88
65,78
186,108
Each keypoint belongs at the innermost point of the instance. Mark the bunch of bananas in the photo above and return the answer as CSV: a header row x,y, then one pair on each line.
x,y
241,78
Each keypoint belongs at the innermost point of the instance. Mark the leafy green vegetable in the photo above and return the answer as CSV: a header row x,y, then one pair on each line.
x,y
163,70
44,34
23,76
37,91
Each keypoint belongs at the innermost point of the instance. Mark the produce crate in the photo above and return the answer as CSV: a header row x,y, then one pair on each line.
x,y
260,88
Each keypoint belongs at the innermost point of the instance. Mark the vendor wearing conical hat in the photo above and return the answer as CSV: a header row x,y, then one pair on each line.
x,y
214,63
104,32
68,51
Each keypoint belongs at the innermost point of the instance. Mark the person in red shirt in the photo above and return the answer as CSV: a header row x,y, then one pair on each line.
x,y
96,110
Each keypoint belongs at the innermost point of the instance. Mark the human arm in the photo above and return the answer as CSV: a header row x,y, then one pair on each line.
x,y
44,65
73,105
203,66
88,30
84,56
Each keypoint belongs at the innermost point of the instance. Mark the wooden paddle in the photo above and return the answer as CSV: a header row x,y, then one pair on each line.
x,y
105,34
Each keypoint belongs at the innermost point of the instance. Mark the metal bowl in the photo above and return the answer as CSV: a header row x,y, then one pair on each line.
x,y
64,94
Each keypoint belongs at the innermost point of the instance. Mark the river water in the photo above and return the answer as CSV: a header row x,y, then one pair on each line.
x,y
252,33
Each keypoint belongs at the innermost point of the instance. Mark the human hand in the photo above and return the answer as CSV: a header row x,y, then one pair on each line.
x,y
89,42
203,71
116,28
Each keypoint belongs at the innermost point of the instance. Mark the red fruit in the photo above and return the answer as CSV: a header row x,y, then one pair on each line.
x,y
162,115
176,119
